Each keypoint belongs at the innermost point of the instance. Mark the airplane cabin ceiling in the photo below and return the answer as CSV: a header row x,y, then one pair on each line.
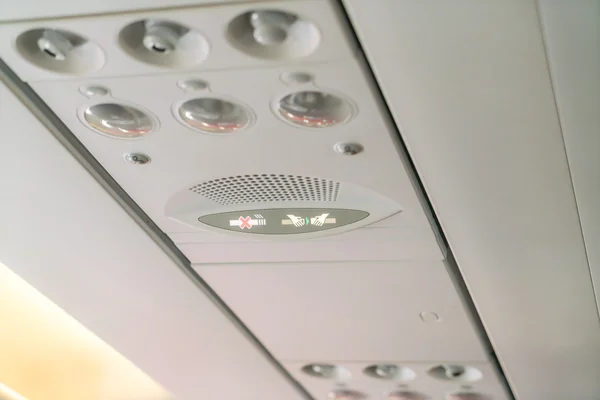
x,y
311,199
473,96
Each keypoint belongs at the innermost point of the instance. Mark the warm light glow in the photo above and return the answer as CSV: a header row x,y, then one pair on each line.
x,y
45,354
7,393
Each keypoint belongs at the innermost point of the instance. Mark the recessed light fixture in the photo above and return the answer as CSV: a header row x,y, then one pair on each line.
x,y
406,395
346,394
468,396
314,109
214,115
119,120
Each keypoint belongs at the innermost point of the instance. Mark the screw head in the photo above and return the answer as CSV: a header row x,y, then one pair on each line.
x,y
137,158
348,149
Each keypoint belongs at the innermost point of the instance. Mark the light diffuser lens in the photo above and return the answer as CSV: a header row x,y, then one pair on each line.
x,y
119,120
314,109
346,394
213,115
404,395
468,396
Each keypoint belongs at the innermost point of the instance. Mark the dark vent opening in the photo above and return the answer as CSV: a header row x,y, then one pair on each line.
x,y
243,189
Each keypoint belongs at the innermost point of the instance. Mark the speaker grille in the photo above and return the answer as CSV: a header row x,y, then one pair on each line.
x,y
265,188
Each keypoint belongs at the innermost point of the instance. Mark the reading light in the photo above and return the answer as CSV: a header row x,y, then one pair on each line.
x,y
214,115
119,120
314,109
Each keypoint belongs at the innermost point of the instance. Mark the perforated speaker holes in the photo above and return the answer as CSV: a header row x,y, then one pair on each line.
x,y
243,189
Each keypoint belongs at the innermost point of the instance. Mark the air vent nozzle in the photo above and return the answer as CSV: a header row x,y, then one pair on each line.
x,y
60,51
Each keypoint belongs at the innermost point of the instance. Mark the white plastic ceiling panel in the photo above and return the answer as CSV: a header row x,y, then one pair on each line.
x,y
269,287
210,23
350,311
35,9
62,233
268,147
182,158
469,87
370,243
414,379
572,34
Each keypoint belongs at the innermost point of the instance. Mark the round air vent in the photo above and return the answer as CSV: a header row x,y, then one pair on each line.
x,y
278,206
60,51
455,372
327,371
390,372
163,43
273,35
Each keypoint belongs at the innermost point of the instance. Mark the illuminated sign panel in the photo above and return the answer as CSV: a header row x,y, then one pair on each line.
x,y
283,221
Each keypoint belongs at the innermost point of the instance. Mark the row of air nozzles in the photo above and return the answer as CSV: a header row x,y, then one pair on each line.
x,y
263,34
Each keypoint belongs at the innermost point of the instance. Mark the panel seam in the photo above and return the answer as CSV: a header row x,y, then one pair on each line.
x,y
539,13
